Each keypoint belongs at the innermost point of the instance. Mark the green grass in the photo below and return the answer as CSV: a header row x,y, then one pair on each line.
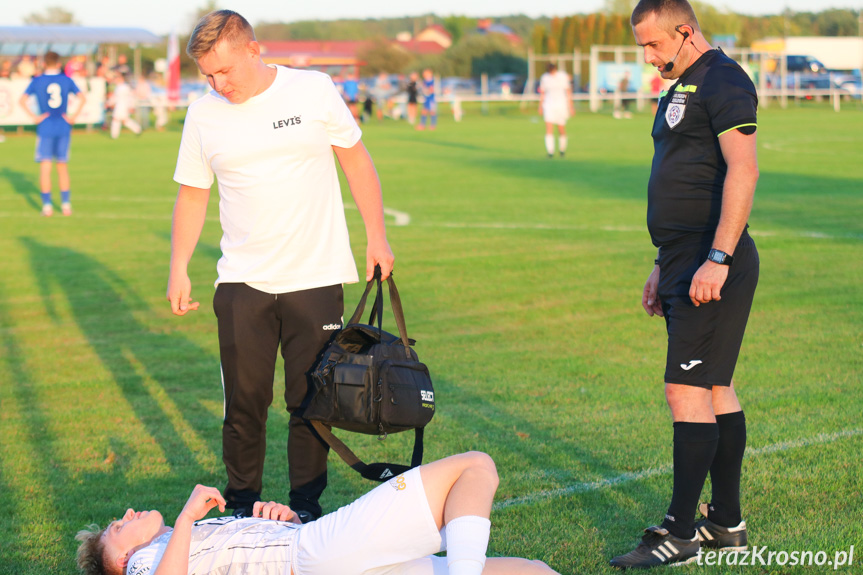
x,y
521,279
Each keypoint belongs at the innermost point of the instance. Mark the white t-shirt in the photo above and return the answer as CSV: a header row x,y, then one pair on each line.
x,y
281,209
554,88
227,545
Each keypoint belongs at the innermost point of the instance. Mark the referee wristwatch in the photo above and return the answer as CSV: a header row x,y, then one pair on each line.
x,y
720,257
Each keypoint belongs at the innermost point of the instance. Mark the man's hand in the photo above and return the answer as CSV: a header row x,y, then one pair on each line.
x,y
180,292
649,298
274,511
40,118
201,501
379,254
707,283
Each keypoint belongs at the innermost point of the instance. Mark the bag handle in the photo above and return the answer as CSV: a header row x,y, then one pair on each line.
x,y
373,471
377,307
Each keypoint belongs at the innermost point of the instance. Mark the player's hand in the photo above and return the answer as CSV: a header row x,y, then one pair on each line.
x,y
274,511
41,117
650,298
179,293
201,501
707,283
379,254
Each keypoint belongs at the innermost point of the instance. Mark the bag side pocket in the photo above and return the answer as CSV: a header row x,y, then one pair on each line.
x,y
407,396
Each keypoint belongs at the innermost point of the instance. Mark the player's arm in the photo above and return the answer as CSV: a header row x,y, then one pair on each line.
x,y
175,560
190,211
366,189
650,296
24,102
80,100
739,152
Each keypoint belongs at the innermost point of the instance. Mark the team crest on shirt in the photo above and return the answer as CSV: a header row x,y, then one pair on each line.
x,y
676,109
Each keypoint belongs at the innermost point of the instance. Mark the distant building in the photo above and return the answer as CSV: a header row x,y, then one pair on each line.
x,y
342,57
486,26
437,34
332,57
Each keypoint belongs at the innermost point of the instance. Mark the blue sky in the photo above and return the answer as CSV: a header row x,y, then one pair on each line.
x,y
160,16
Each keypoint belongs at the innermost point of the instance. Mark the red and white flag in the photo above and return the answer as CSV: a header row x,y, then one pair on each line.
x,y
173,75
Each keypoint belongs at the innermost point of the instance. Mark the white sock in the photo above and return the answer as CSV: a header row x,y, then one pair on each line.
x,y
549,144
467,542
562,144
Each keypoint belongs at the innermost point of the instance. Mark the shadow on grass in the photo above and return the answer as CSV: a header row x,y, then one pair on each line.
x,y
103,305
23,185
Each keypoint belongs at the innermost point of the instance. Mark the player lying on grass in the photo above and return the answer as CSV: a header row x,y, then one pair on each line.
x,y
392,530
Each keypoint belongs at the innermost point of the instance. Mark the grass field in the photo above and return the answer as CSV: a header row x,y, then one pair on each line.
x,y
521,279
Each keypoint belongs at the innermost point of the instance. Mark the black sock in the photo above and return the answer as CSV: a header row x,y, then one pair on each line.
x,y
694,450
725,470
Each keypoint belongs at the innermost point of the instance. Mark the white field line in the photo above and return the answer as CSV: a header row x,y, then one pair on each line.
x,y
401,218
527,499
404,219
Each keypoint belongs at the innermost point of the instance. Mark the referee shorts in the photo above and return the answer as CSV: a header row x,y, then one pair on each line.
x,y
704,341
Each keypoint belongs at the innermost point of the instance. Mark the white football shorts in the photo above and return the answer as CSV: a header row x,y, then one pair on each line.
x,y
388,531
555,113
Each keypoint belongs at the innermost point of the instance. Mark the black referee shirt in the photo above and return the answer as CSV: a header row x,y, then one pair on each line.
x,y
684,195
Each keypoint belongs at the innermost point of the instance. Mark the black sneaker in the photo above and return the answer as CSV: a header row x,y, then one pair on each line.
x,y
718,537
659,547
245,511
305,516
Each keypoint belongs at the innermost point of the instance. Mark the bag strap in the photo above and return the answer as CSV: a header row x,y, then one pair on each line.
x,y
362,305
378,306
373,471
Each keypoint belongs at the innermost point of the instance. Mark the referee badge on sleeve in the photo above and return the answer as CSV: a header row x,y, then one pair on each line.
x,y
676,109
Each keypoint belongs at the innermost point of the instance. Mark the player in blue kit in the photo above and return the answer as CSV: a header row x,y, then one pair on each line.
x,y
430,102
53,128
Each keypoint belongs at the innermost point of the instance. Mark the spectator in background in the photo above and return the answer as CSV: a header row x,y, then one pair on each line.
x,y
412,90
53,127
76,66
122,101
555,105
622,89
26,68
351,91
6,69
122,66
382,92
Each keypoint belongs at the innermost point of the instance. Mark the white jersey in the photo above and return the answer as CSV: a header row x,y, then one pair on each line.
x,y
123,100
554,88
280,205
226,545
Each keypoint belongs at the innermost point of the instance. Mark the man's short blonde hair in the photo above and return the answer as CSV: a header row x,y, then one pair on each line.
x,y
91,552
215,27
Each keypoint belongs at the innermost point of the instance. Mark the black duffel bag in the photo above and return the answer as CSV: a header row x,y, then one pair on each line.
x,y
370,381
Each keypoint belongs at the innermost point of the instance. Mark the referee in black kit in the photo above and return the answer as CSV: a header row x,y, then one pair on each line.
x,y
700,192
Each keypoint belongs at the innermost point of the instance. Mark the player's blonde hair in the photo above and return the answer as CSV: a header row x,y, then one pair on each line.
x,y
91,552
215,27
669,14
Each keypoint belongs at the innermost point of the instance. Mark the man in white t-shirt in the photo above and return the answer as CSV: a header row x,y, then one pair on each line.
x,y
393,530
555,105
268,134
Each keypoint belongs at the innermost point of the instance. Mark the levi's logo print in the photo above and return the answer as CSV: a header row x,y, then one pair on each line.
x,y
292,121
676,109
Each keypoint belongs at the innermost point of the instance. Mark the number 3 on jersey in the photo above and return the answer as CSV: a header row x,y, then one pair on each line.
x,y
55,95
